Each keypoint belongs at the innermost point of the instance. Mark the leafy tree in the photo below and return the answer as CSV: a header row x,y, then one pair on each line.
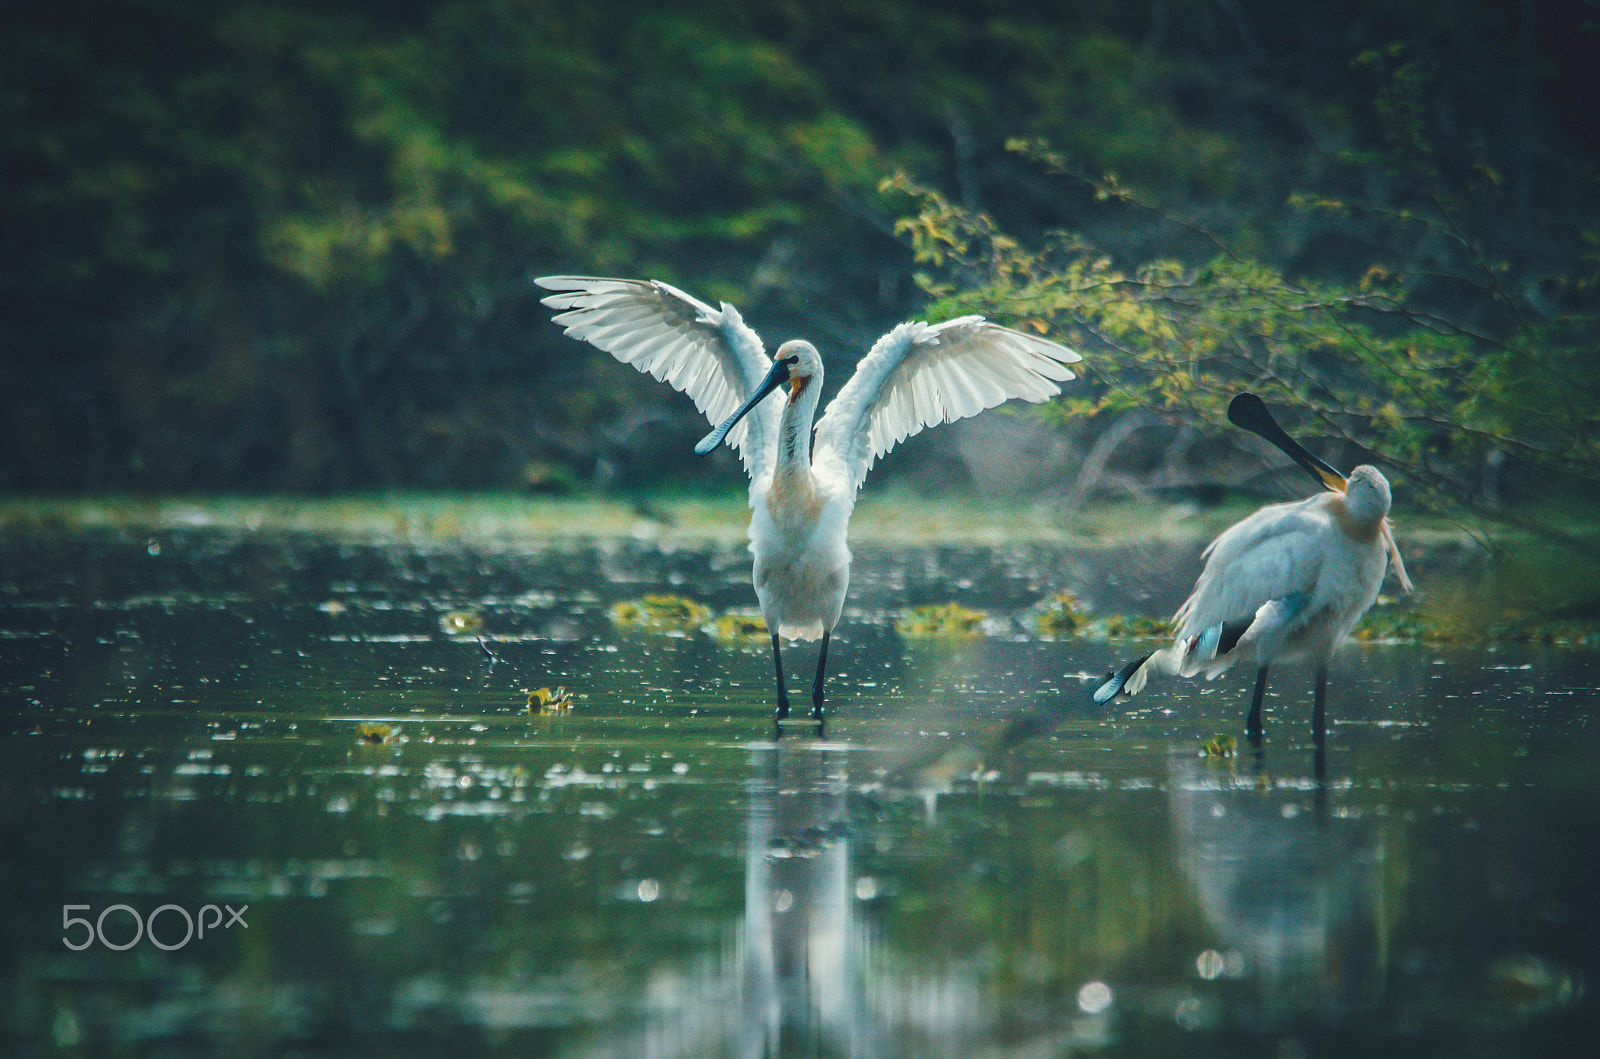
x,y
290,243
287,244
1367,360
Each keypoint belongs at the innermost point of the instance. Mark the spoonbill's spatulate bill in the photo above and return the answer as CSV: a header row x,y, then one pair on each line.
x,y
802,487
1288,582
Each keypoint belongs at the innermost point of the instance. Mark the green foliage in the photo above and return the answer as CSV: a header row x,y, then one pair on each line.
x,y
286,245
1366,359
310,214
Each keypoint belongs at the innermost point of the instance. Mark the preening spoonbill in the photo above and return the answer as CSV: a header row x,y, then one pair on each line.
x,y
802,487
1288,582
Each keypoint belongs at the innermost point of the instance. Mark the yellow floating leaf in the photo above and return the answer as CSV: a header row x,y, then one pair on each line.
x,y
461,623
544,700
377,733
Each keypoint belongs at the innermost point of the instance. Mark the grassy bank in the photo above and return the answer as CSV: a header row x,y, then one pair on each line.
x,y
1469,583
880,517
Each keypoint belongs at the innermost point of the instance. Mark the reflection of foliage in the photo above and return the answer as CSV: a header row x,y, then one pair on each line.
x,y
940,619
1064,904
660,612
1523,984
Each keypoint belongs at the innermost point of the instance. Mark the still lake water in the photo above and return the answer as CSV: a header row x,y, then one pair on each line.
x,y
971,860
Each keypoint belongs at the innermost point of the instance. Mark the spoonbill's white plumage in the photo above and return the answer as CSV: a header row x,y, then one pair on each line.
x,y
803,482
1287,583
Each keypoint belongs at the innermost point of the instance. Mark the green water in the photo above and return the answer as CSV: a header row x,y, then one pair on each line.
x,y
969,860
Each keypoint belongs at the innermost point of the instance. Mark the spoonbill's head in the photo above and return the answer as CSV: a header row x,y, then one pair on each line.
x,y
804,366
796,364
1366,495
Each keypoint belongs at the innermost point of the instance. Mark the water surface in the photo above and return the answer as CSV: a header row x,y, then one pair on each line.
x,y
969,859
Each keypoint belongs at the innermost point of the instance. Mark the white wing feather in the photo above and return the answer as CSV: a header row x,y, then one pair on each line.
x,y
919,375
709,354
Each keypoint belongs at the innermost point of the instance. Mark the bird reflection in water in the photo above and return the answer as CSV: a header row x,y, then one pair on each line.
x,y
800,961
1293,893
790,980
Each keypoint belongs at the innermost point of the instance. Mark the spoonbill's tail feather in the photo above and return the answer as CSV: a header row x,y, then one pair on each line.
x,y
1202,650
1262,635
1131,678
1118,683
1212,649
1250,412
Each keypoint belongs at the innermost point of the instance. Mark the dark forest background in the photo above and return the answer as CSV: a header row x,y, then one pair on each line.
x,y
288,246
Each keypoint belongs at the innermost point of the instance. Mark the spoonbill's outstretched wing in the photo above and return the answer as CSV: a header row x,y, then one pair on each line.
x,y
709,354
920,375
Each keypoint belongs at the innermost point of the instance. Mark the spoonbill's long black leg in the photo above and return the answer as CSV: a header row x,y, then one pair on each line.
x,y
816,685
1319,698
1252,723
777,668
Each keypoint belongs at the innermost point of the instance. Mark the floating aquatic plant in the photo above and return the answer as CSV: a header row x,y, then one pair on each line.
x,y
461,623
1118,626
543,700
377,733
737,628
1065,615
660,612
941,619
1387,625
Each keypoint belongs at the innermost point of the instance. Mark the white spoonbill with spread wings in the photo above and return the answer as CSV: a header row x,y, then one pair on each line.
x,y
1288,582
802,488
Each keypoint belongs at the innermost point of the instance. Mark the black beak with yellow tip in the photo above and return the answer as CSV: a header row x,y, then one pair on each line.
x,y
775,378
1250,412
